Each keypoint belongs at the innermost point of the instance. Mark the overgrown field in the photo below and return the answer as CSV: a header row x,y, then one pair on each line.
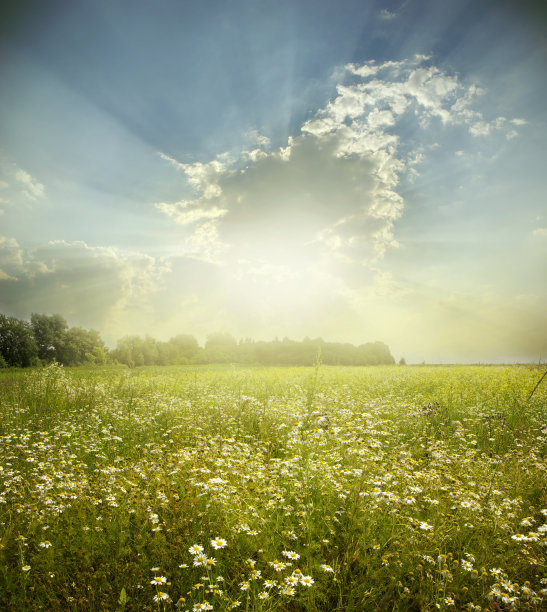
x,y
386,488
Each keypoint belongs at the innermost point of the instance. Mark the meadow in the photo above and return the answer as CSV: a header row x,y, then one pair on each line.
x,y
323,488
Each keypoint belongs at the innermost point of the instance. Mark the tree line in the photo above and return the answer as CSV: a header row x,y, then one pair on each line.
x,y
48,338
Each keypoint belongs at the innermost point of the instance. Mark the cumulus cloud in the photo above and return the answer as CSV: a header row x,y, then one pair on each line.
x,y
16,184
332,191
540,232
33,189
97,286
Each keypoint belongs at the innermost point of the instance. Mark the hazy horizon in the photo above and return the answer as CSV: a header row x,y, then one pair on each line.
x,y
372,171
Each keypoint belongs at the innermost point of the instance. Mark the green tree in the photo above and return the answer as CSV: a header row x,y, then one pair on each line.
x,y
79,346
17,345
220,347
50,334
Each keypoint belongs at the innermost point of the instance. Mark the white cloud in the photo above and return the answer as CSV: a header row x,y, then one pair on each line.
x,y
33,189
334,186
11,258
96,286
17,185
186,212
540,232
386,15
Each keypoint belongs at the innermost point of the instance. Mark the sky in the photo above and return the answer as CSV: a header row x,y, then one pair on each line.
x,y
360,171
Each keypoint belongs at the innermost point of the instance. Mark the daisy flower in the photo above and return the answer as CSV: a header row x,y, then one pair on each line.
x,y
200,559
218,543
290,554
195,549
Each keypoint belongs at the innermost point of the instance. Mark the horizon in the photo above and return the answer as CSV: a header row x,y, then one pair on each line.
x,y
371,172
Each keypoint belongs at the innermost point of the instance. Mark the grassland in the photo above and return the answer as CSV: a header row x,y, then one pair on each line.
x,y
386,488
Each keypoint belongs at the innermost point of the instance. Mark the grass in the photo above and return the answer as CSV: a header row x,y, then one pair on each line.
x,y
385,488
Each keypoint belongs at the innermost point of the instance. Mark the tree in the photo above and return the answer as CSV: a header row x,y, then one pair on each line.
x,y
184,348
220,348
49,334
80,346
402,361
17,345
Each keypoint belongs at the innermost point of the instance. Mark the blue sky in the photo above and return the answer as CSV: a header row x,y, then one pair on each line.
x,y
358,171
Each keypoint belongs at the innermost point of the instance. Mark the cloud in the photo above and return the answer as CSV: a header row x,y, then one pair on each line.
x,y
332,191
17,184
386,15
33,189
540,232
94,286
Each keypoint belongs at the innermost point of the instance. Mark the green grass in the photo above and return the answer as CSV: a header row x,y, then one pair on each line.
x,y
416,488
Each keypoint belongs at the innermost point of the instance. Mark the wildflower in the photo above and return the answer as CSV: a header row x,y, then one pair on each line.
x,y
290,554
218,543
25,568
263,595
449,601
467,566
306,580
161,596
244,586
158,580
277,565
45,544
327,568
288,590
200,559
195,549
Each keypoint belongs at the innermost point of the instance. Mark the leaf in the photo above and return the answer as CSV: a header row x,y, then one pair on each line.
x,y
123,598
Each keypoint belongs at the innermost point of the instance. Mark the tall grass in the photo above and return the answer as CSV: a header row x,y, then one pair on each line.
x,y
386,488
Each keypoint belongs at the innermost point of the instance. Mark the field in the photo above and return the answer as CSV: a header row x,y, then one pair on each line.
x,y
384,488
